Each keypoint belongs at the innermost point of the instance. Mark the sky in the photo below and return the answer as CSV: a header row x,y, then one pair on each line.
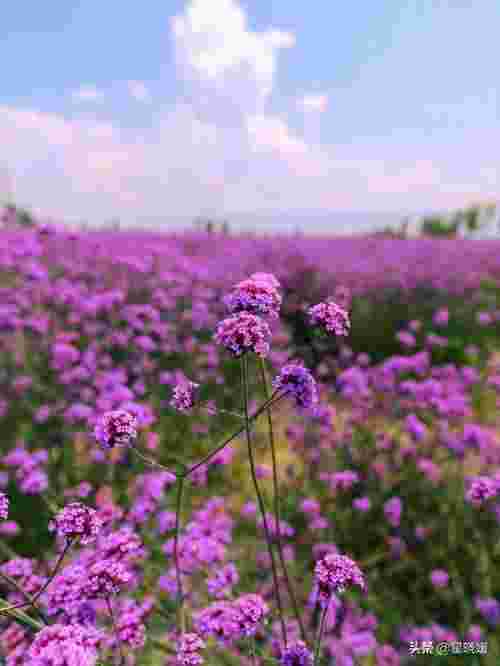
x,y
181,108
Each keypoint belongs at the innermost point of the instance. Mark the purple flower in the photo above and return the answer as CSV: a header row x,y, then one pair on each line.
x,y
251,610
244,332
188,648
489,609
297,380
481,490
330,317
105,578
334,573
4,506
297,654
222,581
439,578
362,504
116,428
392,510
257,296
77,520
62,645
441,317
386,655
183,399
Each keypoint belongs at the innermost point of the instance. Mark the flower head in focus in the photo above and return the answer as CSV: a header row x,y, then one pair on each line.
x,y
296,380
188,648
244,332
77,520
256,296
116,428
334,573
62,645
330,318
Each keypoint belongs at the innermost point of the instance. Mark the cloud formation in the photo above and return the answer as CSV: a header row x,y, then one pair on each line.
x,y
220,147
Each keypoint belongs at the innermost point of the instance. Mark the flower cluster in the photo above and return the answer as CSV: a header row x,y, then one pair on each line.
x,y
188,649
116,428
105,578
244,332
297,654
77,521
482,489
256,295
331,318
62,645
334,573
184,396
296,380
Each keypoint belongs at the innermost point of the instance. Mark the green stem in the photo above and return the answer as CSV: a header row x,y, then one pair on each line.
x,y
31,601
180,594
276,498
319,637
24,619
244,379
274,399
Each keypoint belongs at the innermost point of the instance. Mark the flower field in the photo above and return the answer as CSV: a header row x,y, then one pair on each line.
x,y
248,450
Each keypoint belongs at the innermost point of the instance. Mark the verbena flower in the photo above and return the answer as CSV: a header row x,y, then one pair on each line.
x,y
331,318
242,333
296,380
77,520
116,428
334,573
184,396
481,490
105,578
188,648
4,506
257,296
62,645
297,654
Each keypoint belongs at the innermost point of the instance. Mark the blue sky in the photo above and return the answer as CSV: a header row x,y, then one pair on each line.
x,y
218,106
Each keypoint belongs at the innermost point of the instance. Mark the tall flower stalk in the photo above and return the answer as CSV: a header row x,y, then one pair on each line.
x,y
244,379
276,504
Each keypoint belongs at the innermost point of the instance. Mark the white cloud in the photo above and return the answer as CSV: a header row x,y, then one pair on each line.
x,y
139,91
317,103
219,148
216,51
87,93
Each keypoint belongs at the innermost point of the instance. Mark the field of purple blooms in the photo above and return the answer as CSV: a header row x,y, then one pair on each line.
x,y
246,450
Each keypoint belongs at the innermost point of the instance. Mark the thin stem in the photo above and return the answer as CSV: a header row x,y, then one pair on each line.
x,y
115,630
272,401
223,411
276,503
25,620
252,650
244,379
180,594
320,634
33,600
152,462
